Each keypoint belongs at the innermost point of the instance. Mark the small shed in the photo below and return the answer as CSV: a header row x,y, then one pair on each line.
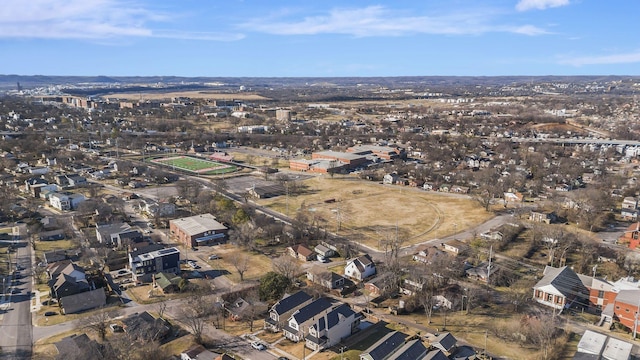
x,y
324,251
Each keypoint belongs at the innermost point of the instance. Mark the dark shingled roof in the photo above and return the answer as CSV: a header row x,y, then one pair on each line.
x,y
311,310
290,302
385,346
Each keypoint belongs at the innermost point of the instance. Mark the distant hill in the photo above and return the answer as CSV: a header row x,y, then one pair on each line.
x,y
10,81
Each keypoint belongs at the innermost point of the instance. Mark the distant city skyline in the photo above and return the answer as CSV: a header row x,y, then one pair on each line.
x,y
253,38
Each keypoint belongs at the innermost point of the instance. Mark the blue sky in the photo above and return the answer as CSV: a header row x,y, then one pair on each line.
x,y
320,38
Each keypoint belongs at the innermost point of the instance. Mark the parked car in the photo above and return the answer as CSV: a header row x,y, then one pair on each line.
x,y
213,257
50,313
258,345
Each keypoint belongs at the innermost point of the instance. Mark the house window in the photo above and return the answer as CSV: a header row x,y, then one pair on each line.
x,y
626,310
549,297
617,307
601,294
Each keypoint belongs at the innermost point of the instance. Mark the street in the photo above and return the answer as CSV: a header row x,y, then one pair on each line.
x,y
16,330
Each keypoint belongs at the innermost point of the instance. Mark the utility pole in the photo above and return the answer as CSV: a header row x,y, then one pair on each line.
x,y
489,266
342,351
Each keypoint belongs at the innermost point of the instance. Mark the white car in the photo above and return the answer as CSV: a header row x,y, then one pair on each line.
x,y
258,345
213,257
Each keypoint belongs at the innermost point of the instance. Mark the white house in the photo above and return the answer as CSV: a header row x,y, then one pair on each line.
x,y
299,322
360,268
65,201
333,327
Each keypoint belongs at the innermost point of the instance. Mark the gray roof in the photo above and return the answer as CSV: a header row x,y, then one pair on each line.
x,y
563,279
311,310
617,350
445,341
412,350
435,355
198,224
592,342
333,318
291,302
628,296
385,346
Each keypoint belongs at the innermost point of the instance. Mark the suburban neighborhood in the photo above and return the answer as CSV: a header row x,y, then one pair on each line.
x,y
493,219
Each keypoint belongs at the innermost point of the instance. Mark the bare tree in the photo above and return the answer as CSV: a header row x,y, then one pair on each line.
x,y
161,307
240,261
287,266
99,321
194,314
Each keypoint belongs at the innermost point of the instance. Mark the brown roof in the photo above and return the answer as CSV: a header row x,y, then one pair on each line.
x,y
302,250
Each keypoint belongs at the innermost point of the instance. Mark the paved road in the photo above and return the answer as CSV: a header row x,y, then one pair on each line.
x,y
16,330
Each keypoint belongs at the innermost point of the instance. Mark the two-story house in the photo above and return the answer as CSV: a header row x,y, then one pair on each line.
x,y
631,237
329,329
360,268
281,311
118,234
298,325
148,261
65,200
559,288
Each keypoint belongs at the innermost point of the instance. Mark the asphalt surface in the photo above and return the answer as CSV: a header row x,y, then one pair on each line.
x,y
16,332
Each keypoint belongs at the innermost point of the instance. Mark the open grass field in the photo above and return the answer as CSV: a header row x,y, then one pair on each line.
x,y
199,94
195,165
259,263
369,212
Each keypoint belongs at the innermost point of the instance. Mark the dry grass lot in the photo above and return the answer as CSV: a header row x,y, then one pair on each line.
x,y
370,211
297,350
45,348
259,263
136,96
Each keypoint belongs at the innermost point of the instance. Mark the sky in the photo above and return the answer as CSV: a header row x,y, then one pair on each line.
x,y
319,38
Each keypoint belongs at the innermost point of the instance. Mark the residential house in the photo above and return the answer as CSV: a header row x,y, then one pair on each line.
x,y
429,254
629,202
118,234
65,200
197,230
331,328
411,350
324,251
629,214
297,326
157,209
66,279
79,302
145,326
380,285
49,223
481,272
435,355
360,268
168,282
559,288
75,180
52,235
198,352
281,311
53,256
455,247
301,252
543,217
384,347
631,237
325,278
390,178
445,342
146,262
80,347
241,309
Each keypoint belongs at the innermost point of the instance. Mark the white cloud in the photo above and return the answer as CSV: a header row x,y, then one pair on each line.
x,y
530,30
633,57
381,21
88,19
524,5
